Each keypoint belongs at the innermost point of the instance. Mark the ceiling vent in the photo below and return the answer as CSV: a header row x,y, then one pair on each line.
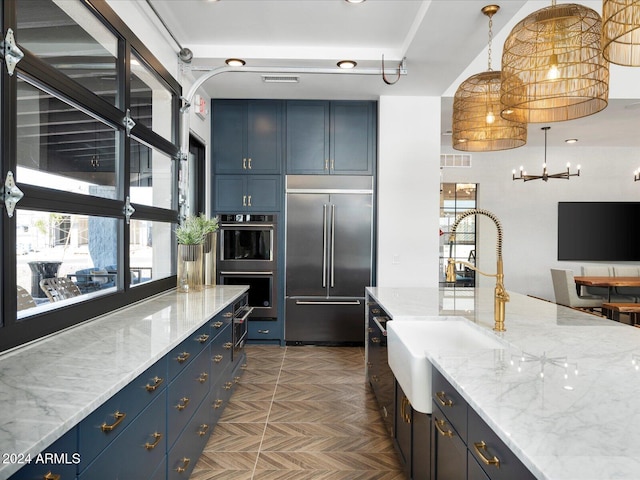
x,y
455,160
280,78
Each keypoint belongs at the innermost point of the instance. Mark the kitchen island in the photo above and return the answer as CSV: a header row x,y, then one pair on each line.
x,y
563,392
51,385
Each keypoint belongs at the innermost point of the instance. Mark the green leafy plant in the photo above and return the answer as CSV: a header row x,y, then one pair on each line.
x,y
190,232
208,225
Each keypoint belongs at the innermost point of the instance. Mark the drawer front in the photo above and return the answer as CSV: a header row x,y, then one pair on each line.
x,y
185,453
221,320
64,463
110,419
161,471
450,458
451,403
181,356
221,353
220,394
186,393
138,451
488,450
475,471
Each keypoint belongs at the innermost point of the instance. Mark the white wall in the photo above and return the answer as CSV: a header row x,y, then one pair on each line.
x,y
528,211
408,191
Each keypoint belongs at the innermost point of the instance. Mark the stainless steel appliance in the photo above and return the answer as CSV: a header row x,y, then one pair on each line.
x,y
241,312
247,253
329,237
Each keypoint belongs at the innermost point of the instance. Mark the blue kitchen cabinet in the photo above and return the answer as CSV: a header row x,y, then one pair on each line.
x,y
331,137
247,136
60,460
248,193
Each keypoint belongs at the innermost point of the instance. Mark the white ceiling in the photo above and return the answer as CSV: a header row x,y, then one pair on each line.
x,y
443,41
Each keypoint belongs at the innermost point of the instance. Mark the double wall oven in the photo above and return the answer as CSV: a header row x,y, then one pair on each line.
x,y
247,255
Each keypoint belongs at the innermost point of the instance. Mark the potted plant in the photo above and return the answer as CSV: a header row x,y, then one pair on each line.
x,y
209,227
190,237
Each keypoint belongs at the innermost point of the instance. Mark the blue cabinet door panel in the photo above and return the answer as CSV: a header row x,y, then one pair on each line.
x,y
182,355
228,121
307,137
352,133
264,136
263,193
221,352
109,420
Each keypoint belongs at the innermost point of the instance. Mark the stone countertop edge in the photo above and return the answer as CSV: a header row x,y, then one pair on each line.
x,y
49,386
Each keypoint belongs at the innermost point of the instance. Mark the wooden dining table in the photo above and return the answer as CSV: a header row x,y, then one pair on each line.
x,y
608,282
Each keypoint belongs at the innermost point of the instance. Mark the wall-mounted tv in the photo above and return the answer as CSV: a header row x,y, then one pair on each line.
x,y
599,231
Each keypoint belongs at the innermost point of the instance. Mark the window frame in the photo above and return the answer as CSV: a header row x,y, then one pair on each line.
x,y
14,332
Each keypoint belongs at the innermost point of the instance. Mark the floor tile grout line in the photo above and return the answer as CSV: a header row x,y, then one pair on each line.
x,y
266,423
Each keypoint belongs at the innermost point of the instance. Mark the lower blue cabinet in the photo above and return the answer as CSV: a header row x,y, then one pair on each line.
x,y
139,449
60,460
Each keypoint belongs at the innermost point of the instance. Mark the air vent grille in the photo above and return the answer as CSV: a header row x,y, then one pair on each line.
x,y
455,160
280,78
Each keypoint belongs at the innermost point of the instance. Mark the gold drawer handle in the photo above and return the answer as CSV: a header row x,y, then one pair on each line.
x,y
375,339
217,324
218,358
228,315
183,467
51,476
406,414
440,424
203,338
228,345
375,311
218,403
184,401
203,377
150,446
228,385
444,401
183,357
370,330
244,366
204,428
481,449
119,416
157,381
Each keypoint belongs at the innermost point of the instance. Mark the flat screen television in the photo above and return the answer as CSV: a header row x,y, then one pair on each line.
x,y
599,231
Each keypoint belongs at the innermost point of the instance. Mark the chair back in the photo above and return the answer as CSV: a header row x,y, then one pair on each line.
x,y
59,288
562,285
25,300
596,271
626,271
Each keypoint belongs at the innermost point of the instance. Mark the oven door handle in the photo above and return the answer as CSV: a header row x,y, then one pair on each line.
x,y
248,311
246,226
267,273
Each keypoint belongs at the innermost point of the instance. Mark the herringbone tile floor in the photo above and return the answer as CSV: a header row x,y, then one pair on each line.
x,y
300,413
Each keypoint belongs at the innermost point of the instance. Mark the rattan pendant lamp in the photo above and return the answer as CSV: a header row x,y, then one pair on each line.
x,y
621,32
552,65
477,124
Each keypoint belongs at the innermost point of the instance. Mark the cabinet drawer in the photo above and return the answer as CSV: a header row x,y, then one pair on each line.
x,y
185,393
218,322
185,453
183,354
450,451
64,464
110,419
451,403
220,394
474,469
221,352
138,451
486,448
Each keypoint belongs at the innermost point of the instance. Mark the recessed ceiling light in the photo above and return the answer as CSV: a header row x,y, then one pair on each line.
x,y
234,62
347,64
571,140
355,1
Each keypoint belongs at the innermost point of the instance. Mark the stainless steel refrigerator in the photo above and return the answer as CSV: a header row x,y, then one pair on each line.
x,y
329,245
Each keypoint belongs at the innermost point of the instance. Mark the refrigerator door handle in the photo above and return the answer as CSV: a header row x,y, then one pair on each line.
x,y
325,245
333,244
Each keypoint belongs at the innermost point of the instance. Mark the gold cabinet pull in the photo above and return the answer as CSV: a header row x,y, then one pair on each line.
x,y
404,412
326,164
236,379
218,358
440,424
483,453
244,200
203,377
249,164
333,164
119,416
185,463
217,324
444,401
248,200
228,345
183,357
228,315
244,163
51,476
228,385
375,339
157,437
375,311
157,381
204,428
203,338
217,403
244,366
184,401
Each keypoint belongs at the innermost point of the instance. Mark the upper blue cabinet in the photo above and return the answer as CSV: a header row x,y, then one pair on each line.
x,y
247,136
337,137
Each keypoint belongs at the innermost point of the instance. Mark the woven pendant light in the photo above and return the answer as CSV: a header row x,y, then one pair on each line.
x,y
477,124
552,65
621,32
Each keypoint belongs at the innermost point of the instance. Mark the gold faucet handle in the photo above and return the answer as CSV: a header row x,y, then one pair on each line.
x,y
451,270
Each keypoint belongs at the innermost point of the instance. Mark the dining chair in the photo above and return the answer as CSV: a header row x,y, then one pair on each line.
x,y
564,288
59,288
596,271
627,271
25,300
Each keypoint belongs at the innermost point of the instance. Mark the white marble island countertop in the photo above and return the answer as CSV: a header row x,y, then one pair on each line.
x,y
564,394
49,386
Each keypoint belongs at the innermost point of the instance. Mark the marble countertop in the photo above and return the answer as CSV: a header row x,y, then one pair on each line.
x,y
564,394
49,386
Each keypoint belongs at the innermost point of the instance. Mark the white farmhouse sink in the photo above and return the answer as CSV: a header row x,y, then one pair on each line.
x,y
409,342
